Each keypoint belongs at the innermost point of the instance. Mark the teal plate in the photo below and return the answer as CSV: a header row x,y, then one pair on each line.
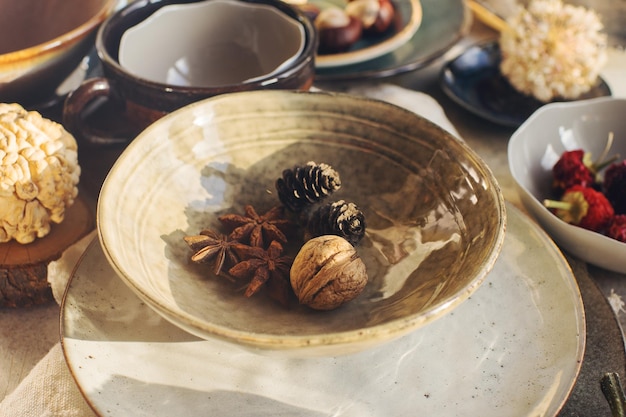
x,y
444,23
406,22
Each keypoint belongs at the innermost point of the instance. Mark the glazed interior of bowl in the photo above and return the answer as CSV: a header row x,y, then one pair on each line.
x,y
28,23
133,16
219,42
435,214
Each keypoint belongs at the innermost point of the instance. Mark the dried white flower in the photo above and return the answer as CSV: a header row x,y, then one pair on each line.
x,y
39,173
553,50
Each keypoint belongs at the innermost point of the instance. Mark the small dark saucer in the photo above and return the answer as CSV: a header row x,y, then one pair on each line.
x,y
474,81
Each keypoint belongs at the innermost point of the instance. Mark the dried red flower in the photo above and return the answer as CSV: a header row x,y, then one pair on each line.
x,y
573,168
617,228
614,186
584,207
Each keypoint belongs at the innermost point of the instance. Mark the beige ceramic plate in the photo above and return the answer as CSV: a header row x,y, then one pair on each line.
x,y
435,214
408,21
513,349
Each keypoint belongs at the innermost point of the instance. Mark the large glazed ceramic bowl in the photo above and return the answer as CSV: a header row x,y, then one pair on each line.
x,y
538,143
435,215
42,42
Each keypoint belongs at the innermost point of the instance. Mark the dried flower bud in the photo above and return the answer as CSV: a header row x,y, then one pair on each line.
x,y
327,272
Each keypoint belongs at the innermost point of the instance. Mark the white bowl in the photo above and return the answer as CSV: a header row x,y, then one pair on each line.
x,y
435,215
535,147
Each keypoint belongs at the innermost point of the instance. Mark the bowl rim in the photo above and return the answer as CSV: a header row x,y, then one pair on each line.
x,y
543,215
60,41
368,335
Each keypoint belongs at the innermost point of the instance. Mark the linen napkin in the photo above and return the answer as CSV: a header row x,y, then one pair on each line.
x,y
415,101
49,390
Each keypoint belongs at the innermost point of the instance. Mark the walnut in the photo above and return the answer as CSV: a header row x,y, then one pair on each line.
x,y
39,173
327,272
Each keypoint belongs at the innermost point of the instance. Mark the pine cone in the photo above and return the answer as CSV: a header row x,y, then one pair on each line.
x,y
339,218
305,185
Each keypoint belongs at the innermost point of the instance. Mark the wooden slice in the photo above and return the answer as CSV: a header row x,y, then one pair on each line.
x,y
24,267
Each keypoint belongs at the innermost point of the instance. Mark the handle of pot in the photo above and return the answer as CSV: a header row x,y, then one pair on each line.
x,y
76,106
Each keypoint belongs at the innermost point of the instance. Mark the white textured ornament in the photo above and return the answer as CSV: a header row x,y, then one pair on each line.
x,y
553,50
39,173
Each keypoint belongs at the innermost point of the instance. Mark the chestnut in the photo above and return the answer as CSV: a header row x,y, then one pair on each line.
x,y
337,31
375,15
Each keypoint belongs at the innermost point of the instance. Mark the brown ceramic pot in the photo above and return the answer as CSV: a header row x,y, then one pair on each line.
x,y
141,101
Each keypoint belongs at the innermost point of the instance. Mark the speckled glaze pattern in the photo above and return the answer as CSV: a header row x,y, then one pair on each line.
x,y
435,214
535,147
513,349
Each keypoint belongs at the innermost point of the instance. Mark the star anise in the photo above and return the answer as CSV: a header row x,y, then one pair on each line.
x,y
212,246
263,266
258,229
